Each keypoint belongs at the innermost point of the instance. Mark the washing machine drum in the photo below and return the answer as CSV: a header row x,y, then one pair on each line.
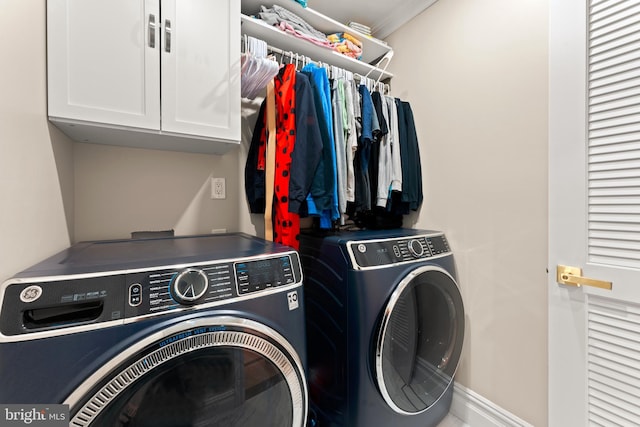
x,y
221,371
419,340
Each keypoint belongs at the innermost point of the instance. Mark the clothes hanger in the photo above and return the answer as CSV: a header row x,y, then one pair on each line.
x,y
259,69
349,75
387,56
247,69
251,72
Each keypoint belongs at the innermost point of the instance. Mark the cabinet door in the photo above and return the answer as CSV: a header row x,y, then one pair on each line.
x,y
201,68
102,66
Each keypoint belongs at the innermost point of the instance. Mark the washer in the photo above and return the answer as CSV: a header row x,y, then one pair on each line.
x,y
385,321
197,330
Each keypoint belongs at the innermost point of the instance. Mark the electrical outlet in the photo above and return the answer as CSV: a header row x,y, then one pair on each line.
x,y
218,188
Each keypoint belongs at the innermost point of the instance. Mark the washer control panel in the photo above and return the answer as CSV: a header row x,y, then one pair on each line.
x,y
159,291
106,283
56,305
255,276
377,253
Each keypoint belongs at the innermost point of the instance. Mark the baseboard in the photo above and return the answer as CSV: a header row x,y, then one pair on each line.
x,y
476,411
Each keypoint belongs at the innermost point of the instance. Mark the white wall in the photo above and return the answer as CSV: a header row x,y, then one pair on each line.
x,y
35,160
120,190
475,74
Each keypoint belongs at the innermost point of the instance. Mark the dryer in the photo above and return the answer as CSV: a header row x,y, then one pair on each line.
x,y
195,330
385,326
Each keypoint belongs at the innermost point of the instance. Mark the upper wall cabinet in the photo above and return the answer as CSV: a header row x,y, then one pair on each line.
x,y
162,74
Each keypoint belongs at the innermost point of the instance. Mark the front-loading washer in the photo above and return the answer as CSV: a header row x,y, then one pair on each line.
x,y
385,326
183,331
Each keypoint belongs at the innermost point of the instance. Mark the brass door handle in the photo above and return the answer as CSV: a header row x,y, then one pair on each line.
x,y
572,276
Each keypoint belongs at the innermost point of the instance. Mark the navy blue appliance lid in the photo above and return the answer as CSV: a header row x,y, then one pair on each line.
x,y
116,255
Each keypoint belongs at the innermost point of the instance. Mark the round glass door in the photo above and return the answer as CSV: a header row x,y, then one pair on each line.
x,y
225,374
420,340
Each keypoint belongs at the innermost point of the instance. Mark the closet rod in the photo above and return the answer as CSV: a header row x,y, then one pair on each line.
x,y
283,53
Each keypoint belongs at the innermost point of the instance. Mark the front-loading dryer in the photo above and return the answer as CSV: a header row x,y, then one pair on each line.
x,y
186,331
385,326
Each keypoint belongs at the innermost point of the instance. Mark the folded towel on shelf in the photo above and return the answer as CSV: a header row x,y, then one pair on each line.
x,y
277,14
288,28
364,29
346,44
293,24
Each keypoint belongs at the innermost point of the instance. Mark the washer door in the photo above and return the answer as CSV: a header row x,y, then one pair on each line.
x,y
420,340
216,371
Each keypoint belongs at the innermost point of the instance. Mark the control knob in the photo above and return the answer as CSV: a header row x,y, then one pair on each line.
x,y
416,248
188,286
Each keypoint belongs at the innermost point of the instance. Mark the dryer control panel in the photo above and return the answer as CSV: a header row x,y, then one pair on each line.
x,y
378,253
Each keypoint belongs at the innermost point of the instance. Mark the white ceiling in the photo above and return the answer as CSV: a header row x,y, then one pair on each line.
x,y
383,16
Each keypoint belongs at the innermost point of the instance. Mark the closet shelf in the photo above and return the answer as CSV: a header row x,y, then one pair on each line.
x,y
372,50
277,38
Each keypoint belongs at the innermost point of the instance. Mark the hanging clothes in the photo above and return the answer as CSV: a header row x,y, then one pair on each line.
x,y
340,127
385,164
411,168
270,161
286,224
324,202
394,143
254,170
369,129
378,162
307,155
352,102
344,155
294,163
379,215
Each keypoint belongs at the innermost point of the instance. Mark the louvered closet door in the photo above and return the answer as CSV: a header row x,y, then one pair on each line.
x,y
594,212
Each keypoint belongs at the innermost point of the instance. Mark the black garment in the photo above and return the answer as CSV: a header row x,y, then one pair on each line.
x,y
254,178
411,198
376,97
307,154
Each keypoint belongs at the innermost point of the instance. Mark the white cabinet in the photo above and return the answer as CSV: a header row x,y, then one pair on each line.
x,y
161,74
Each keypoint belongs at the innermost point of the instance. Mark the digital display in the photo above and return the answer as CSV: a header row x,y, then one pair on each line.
x,y
262,274
439,245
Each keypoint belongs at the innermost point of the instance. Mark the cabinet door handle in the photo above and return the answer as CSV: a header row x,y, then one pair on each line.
x,y
152,31
167,35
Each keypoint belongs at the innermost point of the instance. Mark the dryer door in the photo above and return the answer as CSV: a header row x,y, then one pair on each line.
x,y
420,340
216,371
